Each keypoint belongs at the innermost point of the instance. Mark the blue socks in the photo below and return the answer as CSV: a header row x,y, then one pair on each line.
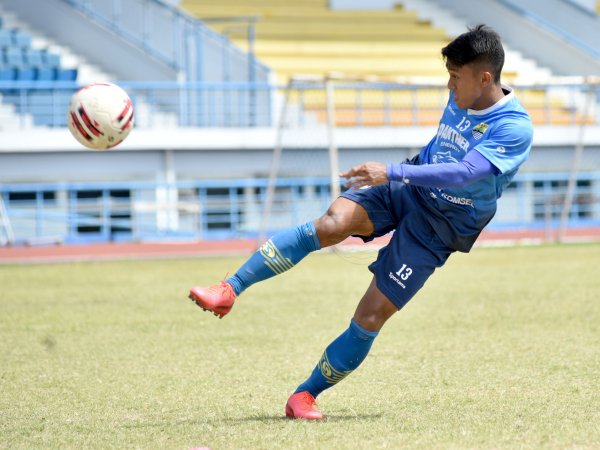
x,y
342,356
280,253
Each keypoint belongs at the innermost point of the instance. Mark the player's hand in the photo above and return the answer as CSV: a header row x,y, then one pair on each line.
x,y
366,174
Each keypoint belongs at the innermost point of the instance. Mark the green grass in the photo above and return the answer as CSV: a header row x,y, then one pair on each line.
x,y
501,349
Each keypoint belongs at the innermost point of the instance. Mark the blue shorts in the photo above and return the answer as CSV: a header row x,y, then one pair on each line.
x,y
415,250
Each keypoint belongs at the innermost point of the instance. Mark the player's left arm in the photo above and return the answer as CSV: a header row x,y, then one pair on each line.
x,y
506,148
473,167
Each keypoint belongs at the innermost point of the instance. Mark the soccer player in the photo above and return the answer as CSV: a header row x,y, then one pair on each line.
x,y
436,204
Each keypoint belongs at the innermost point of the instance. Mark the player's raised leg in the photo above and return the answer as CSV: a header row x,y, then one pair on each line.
x,y
343,355
283,251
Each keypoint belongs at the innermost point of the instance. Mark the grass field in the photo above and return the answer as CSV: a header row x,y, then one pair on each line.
x,y
500,350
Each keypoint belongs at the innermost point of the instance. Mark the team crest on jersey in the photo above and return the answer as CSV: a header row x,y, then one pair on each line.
x,y
479,130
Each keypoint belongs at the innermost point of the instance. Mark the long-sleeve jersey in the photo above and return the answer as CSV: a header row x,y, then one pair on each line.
x,y
502,134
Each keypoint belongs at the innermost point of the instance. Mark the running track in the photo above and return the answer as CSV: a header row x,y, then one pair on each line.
x,y
147,250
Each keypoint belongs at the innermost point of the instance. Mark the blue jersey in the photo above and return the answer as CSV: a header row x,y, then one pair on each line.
x,y
502,133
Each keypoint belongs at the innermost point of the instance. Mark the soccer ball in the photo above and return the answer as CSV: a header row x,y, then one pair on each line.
x,y
100,115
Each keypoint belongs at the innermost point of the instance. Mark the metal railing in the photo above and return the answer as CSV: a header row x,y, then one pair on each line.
x,y
244,104
88,212
124,211
166,104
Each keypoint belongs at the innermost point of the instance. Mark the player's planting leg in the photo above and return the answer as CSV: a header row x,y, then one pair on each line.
x,y
344,354
280,253
340,358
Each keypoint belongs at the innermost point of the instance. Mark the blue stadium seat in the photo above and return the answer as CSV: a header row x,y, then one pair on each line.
x,y
45,73
33,57
13,56
42,105
21,39
8,74
26,74
50,59
5,38
20,62
66,74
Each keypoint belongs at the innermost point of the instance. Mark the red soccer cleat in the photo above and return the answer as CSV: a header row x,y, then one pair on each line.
x,y
218,298
302,406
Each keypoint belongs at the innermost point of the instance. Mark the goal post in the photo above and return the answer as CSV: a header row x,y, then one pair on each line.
x,y
590,89
300,118
334,166
7,235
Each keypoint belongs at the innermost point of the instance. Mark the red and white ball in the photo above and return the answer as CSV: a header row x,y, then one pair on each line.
x,y
100,115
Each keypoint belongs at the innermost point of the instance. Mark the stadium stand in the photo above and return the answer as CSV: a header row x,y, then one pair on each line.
x,y
21,62
194,167
308,37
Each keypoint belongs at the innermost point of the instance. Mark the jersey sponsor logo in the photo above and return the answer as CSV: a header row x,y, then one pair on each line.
x,y
274,260
458,200
398,282
448,144
443,157
479,130
449,135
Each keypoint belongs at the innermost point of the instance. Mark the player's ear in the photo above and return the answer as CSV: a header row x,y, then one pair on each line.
x,y
486,78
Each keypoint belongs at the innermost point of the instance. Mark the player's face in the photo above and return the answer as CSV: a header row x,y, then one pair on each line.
x,y
466,83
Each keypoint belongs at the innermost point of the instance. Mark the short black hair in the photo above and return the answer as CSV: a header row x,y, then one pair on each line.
x,y
481,44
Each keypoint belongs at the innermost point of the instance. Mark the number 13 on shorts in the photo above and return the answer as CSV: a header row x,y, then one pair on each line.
x,y
404,272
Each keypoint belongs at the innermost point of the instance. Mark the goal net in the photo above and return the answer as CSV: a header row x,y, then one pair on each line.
x,y
303,178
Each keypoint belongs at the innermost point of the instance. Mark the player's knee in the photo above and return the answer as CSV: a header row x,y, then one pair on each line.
x,y
330,223
343,218
331,228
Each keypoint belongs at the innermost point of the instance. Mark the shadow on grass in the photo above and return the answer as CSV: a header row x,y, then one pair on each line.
x,y
260,418
328,418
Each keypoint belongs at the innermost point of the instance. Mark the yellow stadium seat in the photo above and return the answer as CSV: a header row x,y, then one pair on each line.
x,y
306,37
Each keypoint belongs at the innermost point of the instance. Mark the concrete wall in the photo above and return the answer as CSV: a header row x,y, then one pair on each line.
x,y
579,22
549,48
154,165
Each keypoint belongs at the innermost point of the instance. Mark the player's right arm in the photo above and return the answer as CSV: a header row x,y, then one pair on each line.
x,y
366,174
